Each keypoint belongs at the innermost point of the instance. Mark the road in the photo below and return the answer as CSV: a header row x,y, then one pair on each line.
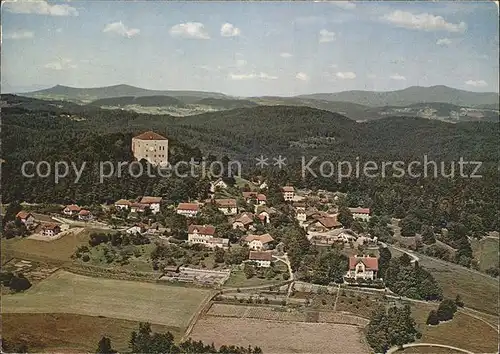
x,y
410,345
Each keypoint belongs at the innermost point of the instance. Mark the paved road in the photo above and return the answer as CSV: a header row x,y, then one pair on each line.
x,y
395,349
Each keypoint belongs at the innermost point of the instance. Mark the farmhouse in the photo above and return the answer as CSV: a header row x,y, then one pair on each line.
x,y
218,184
26,218
300,214
288,193
152,147
243,221
152,202
227,206
261,259
72,209
85,215
360,213
138,207
259,242
362,267
257,198
188,209
200,233
218,242
325,223
123,204
136,229
51,229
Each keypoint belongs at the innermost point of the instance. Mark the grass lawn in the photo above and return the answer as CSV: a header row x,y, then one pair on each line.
x,y
140,264
63,332
239,280
64,292
486,252
462,331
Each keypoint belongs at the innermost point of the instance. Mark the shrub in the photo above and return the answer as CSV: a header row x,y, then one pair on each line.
x,y
446,310
433,318
86,257
285,276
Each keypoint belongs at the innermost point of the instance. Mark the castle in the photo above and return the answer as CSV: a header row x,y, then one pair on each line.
x,y
152,147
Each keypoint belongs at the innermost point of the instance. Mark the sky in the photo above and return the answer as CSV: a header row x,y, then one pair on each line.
x,y
250,48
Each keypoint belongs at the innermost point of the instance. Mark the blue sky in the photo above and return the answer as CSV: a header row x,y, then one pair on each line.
x,y
251,48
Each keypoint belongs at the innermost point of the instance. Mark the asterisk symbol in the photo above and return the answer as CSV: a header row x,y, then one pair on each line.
x,y
280,161
261,161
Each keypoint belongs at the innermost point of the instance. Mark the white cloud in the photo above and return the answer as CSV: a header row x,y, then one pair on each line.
x,y
476,83
61,64
285,55
189,30
39,7
423,22
346,5
348,75
326,36
398,77
120,29
302,76
251,76
228,30
443,41
19,35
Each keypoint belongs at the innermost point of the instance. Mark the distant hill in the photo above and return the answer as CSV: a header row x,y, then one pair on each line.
x,y
411,95
226,103
149,101
86,95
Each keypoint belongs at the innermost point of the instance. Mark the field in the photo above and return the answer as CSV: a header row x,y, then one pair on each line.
x,y
486,252
239,280
64,292
69,332
462,331
281,337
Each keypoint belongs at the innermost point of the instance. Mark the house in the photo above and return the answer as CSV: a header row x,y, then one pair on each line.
x,y
300,214
152,147
72,209
264,217
263,186
257,198
288,193
188,209
325,223
51,229
85,215
360,213
259,242
136,229
218,184
200,233
218,242
123,204
227,206
26,218
138,207
152,202
362,267
261,259
243,221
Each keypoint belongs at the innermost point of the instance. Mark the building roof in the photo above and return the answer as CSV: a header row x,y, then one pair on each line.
x,y
248,195
50,226
150,135
260,256
84,212
23,214
245,218
73,207
123,202
266,238
139,205
288,189
371,263
150,200
261,197
359,210
226,203
202,229
188,206
329,221
219,241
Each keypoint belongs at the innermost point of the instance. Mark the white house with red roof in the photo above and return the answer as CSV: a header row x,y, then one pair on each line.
x,y
85,215
123,204
152,202
72,209
227,206
26,218
360,213
259,242
188,209
51,229
205,235
288,193
362,267
261,259
257,198
152,147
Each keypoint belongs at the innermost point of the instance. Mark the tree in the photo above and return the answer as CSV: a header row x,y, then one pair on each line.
x,y
11,212
446,310
458,301
428,236
433,318
345,217
249,270
104,346
219,255
409,226
383,261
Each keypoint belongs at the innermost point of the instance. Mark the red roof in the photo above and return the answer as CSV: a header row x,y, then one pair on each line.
x,y
226,203
261,197
51,226
150,200
84,212
247,195
371,263
360,210
123,202
288,189
329,221
202,229
266,238
73,207
260,256
23,214
150,136
188,206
